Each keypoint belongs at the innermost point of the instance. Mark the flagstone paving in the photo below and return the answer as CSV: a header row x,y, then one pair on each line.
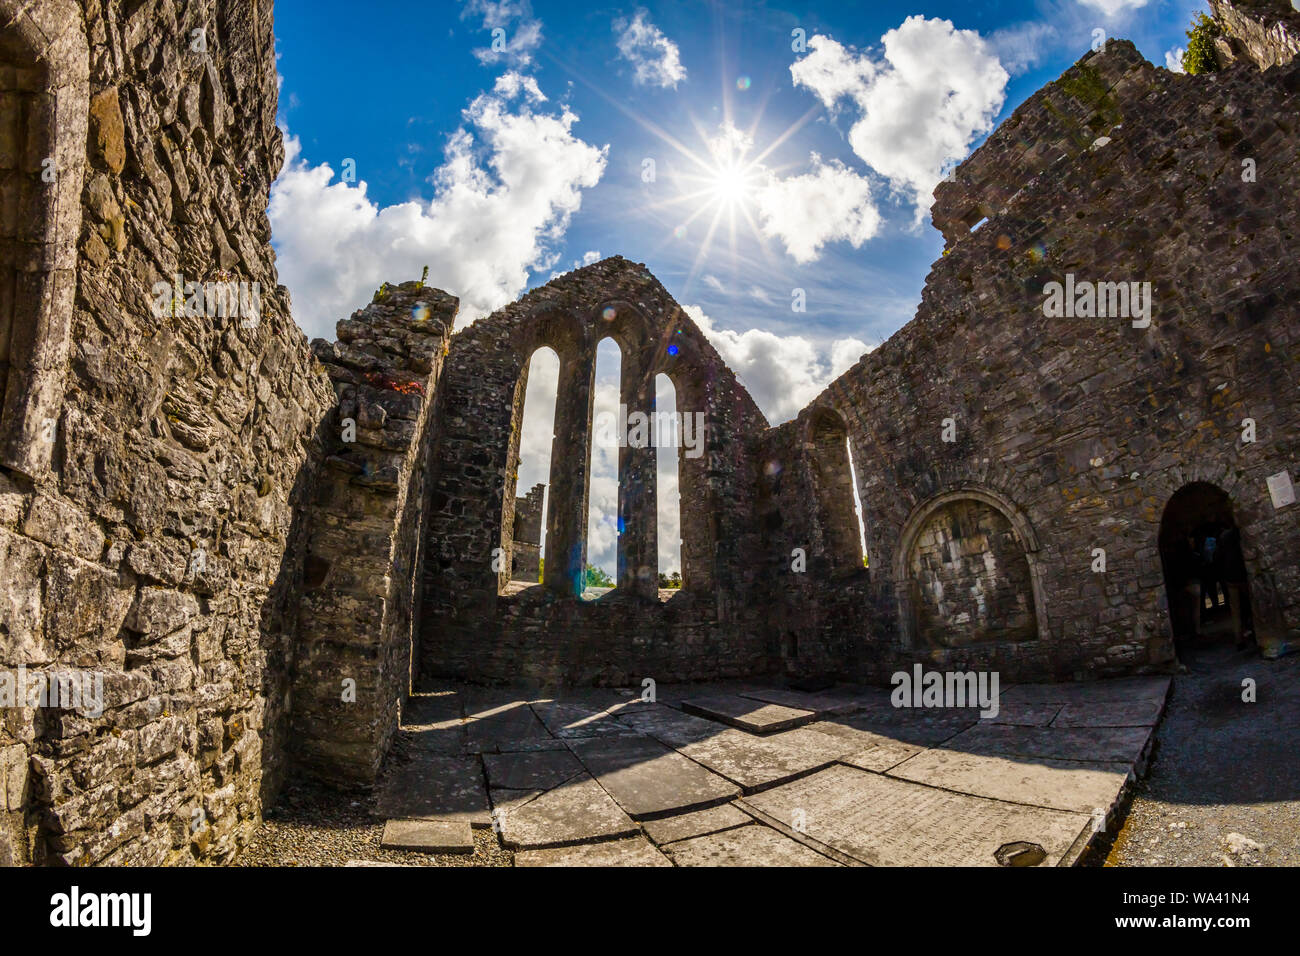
x,y
748,714
753,845
747,775
648,779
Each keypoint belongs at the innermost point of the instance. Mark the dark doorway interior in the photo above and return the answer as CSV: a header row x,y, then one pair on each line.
x,y
1205,572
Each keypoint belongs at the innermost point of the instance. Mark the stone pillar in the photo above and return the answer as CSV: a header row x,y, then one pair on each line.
x,y
566,511
638,511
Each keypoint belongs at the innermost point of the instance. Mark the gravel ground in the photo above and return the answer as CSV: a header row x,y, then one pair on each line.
x,y
1224,785
312,827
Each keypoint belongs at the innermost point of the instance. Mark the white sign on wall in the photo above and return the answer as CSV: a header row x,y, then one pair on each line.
x,y
1281,489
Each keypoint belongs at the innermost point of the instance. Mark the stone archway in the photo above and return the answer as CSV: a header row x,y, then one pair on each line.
x,y
44,104
966,572
1206,580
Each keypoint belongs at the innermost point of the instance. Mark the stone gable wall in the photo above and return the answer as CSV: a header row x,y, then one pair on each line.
x,y
472,627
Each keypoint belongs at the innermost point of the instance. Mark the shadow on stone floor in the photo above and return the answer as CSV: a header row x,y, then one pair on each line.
x,y
839,774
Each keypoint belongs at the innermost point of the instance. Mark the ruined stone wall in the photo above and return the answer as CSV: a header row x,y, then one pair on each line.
x,y
1263,32
818,601
353,667
154,537
525,563
1080,430
473,626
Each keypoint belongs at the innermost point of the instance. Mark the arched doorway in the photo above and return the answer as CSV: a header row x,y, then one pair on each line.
x,y
1205,571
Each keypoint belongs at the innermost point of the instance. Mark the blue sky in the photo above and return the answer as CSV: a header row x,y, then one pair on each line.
x,y
412,141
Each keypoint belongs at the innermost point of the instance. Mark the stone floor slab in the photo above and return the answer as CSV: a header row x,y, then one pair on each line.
x,y
695,823
573,720
1077,786
435,787
1128,689
919,727
428,836
752,845
635,851
819,702
756,762
574,812
1123,744
425,709
445,737
882,821
882,757
667,725
505,727
1023,713
755,716
648,779
1141,713
531,770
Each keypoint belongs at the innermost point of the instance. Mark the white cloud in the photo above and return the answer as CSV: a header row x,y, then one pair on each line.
x,y
655,58
499,15
512,179
783,373
1022,47
602,510
667,487
588,257
920,107
1174,59
805,212
1111,8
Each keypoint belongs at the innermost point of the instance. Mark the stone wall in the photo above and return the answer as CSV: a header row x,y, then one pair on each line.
x,y
817,600
153,453
367,524
969,577
472,628
1080,430
1263,32
526,541
184,516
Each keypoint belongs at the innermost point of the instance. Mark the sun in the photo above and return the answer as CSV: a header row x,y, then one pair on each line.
x,y
729,179
732,184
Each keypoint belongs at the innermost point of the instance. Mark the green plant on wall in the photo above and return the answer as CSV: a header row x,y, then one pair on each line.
x,y
1199,56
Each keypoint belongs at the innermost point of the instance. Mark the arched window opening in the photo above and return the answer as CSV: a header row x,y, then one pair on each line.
x,y
667,436
857,502
524,516
43,114
603,525
833,478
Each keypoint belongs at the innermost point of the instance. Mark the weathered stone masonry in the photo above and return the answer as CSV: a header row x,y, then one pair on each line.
x,y
150,539
259,544
367,529
470,627
1081,430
